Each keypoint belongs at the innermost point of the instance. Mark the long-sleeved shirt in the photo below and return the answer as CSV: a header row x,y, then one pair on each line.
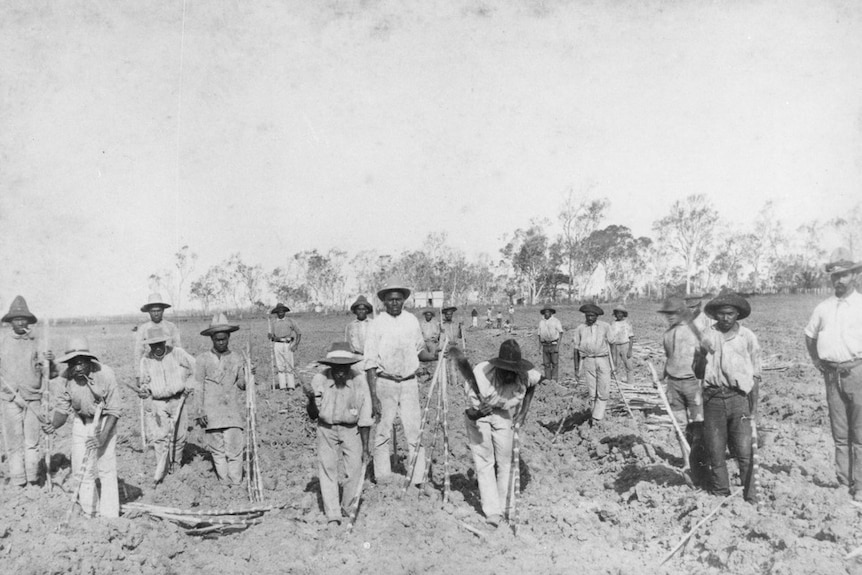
x,y
504,398
141,349
735,361
621,332
355,334
430,331
168,375
393,344
79,399
286,329
220,379
346,404
836,325
19,355
550,330
592,340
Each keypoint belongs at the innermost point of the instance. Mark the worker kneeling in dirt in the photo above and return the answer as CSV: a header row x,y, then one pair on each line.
x,y
90,394
220,403
500,396
731,382
340,402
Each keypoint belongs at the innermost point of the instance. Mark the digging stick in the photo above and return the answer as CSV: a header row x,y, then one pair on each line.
x,y
89,455
699,524
566,414
619,387
415,458
46,399
683,444
175,430
427,475
444,395
357,496
274,384
514,477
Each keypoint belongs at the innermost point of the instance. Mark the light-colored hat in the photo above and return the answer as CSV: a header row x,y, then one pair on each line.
x,y
340,354
218,324
621,308
76,347
429,312
19,309
155,300
394,284
672,305
360,302
155,335
279,307
841,261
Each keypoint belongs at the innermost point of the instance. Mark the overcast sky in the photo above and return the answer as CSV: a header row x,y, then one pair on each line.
x,y
128,128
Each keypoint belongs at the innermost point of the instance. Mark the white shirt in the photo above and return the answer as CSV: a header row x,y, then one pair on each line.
x,y
836,324
392,344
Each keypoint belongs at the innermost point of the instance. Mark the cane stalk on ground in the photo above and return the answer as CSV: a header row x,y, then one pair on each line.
x,y
91,456
46,402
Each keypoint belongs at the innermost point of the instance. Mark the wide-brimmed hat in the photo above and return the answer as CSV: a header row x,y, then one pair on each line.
x,y
76,347
155,300
431,311
394,284
693,301
509,358
591,308
360,302
279,307
155,335
339,354
547,308
449,308
218,324
841,261
621,308
732,299
19,309
672,304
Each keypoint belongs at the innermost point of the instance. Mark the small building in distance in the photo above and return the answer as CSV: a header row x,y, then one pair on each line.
x,y
432,298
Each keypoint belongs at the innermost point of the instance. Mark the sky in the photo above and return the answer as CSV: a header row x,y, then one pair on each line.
x,y
129,129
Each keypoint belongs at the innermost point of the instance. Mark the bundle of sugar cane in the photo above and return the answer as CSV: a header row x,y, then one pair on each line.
x,y
148,508
212,522
254,480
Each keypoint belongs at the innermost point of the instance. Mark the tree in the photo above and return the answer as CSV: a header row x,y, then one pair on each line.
x,y
287,288
579,218
184,261
728,260
849,228
323,276
527,253
206,289
761,246
620,254
687,232
250,277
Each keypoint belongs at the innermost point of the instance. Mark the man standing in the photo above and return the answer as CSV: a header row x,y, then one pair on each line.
x,y
285,337
220,401
340,402
550,331
731,380
591,358
393,350
430,331
622,339
505,389
357,330
475,317
88,383
21,393
451,330
166,376
155,307
833,338
684,391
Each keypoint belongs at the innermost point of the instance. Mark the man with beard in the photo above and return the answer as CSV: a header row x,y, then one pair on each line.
x,y
833,338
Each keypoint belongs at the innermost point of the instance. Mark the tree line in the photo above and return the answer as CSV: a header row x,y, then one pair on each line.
x,y
580,256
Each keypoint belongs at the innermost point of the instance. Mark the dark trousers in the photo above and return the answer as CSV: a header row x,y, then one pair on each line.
x,y
551,359
727,422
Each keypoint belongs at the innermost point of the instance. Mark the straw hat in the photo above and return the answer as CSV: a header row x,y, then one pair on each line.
x,y
429,312
339,354
621,308
155,335
449,308
547,308
591,308
394,284
672,305
509,358
19,309
841,261
360,302
732,299
279,307
76,347
219,324
155,300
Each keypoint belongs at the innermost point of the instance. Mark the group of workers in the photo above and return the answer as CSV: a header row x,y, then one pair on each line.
x,y
712,373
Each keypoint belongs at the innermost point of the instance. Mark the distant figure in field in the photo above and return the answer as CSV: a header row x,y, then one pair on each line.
x,y
833,338
499,319
475,317
220,400
731,382
155,307
511,315
21,367
550,331
356,331
490,312
285,336
393,349
90,386
592,359
430,331
622,339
